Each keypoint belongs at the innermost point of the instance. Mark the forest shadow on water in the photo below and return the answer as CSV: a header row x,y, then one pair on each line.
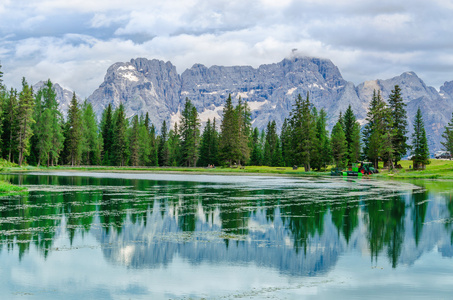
x,y
192,236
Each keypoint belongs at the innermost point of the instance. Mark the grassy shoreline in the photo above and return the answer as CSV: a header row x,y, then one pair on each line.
x,y
438,169
7,188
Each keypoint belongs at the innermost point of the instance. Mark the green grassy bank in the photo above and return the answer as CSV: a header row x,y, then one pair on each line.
x,y
437,169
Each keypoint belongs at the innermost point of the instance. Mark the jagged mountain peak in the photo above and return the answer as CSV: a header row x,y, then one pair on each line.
x,y
154,86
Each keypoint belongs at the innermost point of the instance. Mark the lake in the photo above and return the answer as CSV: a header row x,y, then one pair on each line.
x,y
170,236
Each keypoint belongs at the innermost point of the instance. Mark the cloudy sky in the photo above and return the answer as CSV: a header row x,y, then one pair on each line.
x,y
74,42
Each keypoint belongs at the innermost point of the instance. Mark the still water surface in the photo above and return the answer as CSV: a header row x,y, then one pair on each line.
x,y
162,236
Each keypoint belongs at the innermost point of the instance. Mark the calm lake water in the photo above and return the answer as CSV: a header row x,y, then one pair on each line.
x,y
162,236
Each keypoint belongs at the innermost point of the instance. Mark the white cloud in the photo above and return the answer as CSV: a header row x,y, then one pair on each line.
x,y
74,42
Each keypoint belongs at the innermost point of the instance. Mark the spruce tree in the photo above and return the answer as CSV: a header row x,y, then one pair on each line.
x,y
399,115
107,136
144,141
163,145
270,144
230,150
135,142
74,131
322,156
420,150
10,126
286,145
375,128
153,147
24,121
447,135
205,146
256,156
190,134
174,146
339,145
243,117
304,134
120,141
349,122
92,141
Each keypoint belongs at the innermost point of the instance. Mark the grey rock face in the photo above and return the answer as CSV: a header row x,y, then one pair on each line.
x,y
142,86
155,87
436,110
64,96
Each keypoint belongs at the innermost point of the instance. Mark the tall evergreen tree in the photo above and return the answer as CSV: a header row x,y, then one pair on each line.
x,y
92,141
243,117
107,135
304,134
10,126
24,121
163,145
229,134
256,156
74,132
190,134
447,135
420,150
399,114
153,150
144,140
120,141
375,128
174,146
322,156
270,144
206,146
134,142
286,145
339,145
352,134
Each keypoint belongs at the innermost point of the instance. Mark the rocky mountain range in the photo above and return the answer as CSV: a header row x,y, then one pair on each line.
x,y
155,87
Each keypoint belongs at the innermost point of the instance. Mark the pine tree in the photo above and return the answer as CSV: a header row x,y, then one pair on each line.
x,y
174,146
214,144
270,143
352,134
190,134
120,142
74,132
153,147
10,126
447,135
163,145
48,129
399,114
420,150
206,157
375,128
286,138
144,141
92,141
243,117
322,156
230,151
107,135
304,134
24,121
135,142
339,145
256,157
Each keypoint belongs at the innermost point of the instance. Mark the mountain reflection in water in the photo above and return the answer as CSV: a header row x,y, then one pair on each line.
x,y
300,227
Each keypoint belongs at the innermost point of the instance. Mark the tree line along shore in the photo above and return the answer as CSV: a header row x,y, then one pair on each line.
x,y
34,132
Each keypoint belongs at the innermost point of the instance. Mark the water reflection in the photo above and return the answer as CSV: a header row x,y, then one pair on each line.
x,y
300,228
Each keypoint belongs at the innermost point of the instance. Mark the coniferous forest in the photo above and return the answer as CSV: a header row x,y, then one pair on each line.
x,y
33,131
